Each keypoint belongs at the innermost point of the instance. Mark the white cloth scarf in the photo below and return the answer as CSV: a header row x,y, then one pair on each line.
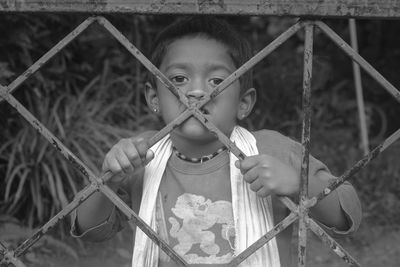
x,y
252,215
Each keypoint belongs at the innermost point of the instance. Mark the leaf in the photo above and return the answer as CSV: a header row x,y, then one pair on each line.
x,y
84,157
68,176
50,179
42,152
59,124
87,88
21,184
11,158
10,179
59,186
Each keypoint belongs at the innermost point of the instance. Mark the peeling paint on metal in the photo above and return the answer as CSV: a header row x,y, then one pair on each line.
x,y
211,5
78,166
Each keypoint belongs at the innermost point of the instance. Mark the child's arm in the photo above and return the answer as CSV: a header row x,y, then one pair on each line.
x,y
125,159
268,175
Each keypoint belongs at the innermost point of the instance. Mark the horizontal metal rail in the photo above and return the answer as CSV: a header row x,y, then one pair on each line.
x,y
307,8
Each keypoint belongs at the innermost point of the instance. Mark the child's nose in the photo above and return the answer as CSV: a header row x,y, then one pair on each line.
x,y
195,94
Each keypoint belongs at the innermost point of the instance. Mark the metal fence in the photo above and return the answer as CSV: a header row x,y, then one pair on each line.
x,y
298,211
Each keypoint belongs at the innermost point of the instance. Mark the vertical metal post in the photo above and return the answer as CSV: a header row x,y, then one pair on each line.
x,y
359,90
305,139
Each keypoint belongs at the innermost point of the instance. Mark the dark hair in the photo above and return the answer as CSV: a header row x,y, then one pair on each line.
x,y
211,27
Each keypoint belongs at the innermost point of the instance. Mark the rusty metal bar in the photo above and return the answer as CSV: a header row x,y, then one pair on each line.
x,y
359,89
80,197
335,246
305,140
264,239
360,60
356,167
46,57
321,8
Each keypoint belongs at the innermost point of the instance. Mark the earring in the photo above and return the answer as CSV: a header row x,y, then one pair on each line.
x,y
155,110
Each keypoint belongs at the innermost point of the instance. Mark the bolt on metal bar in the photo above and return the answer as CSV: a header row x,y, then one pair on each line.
x,y
46,57
357,167
360,60
305,140
292,217
329,241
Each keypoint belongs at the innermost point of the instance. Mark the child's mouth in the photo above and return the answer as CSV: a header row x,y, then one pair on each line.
x,y
205,111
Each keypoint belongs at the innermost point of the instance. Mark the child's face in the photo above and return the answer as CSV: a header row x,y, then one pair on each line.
x,y
196,65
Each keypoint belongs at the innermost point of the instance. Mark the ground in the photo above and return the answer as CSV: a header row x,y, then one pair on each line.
x,y
371,246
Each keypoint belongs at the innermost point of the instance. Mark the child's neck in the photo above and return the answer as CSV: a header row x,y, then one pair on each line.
x,y
195,149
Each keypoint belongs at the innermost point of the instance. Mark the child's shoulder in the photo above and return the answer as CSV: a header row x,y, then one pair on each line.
x,y
272,136
146,134
273,142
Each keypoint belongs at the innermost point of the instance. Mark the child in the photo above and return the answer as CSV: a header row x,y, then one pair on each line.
x,y
200,199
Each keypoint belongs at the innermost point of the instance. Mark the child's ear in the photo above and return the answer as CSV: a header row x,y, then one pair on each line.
x,y
246,103
152,97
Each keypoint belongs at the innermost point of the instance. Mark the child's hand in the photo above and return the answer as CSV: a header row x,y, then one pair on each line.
x,y
267,175
126,157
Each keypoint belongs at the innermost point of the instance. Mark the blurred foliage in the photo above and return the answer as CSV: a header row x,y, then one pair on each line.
x,y
89,96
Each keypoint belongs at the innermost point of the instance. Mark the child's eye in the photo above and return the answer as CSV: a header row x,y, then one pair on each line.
x,y
179,79
216,81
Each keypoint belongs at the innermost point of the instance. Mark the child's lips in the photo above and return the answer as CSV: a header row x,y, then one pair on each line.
x,y
205,111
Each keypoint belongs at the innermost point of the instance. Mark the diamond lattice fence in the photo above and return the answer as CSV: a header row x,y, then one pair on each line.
x,y
298,211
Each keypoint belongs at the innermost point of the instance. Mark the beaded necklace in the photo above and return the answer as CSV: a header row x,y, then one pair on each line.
x,y
201,159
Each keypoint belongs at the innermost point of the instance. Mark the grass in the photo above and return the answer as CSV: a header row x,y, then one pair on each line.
x,y
38,179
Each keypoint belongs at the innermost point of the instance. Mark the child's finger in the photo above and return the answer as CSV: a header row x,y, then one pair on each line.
x,y
256,185
263,192
250,176
111,164
248,163
124,162
149,156
130,150
142,147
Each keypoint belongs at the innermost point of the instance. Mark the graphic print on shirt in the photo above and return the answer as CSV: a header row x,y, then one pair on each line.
x,y
198,215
